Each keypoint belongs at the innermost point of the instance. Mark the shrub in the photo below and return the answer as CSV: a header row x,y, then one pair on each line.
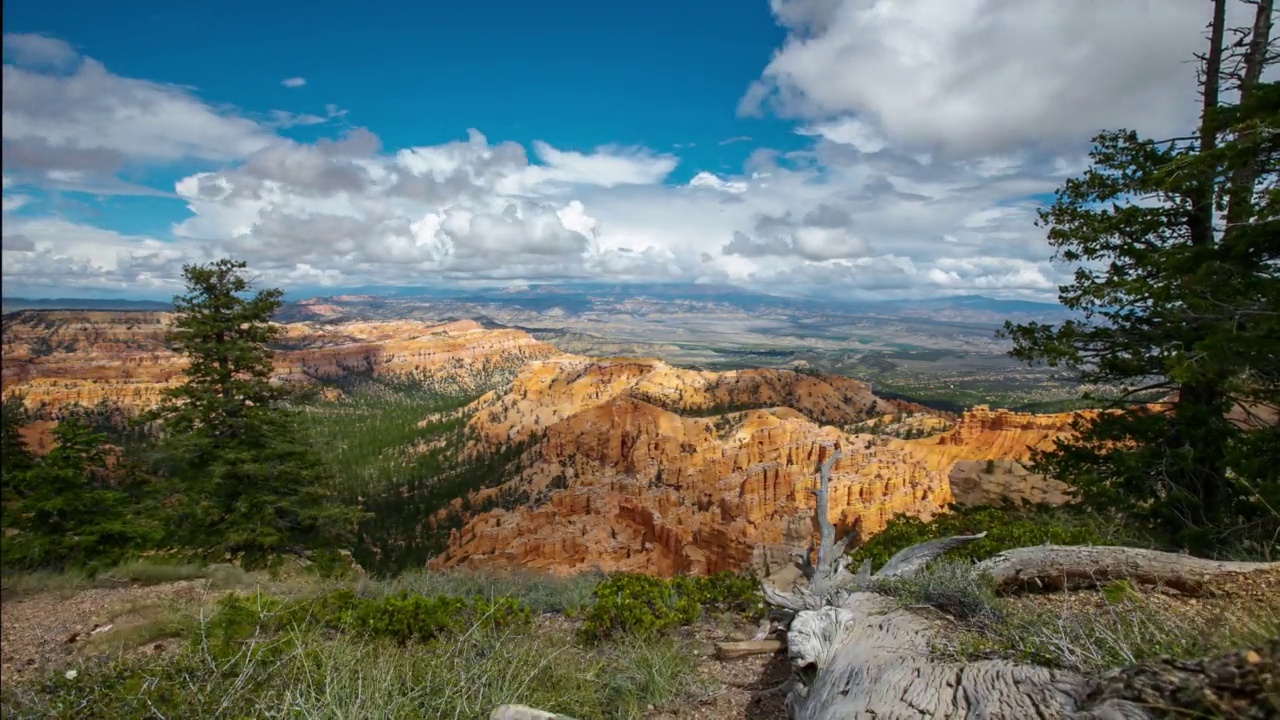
x,y
402,618
541,592
954,587
630,604
1007,527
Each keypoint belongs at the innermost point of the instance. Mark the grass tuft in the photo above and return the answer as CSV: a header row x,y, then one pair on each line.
x,y
540,592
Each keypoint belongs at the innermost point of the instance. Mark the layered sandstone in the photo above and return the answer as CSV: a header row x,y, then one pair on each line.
x,y
985,434
57,358
618,482
985,455
550,391
633,469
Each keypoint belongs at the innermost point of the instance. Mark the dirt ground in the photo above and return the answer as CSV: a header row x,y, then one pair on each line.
x,y
49,630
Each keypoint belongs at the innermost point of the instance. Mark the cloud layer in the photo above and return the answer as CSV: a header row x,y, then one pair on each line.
x,y
932,126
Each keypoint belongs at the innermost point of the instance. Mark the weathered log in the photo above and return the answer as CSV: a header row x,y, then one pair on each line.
x,y
855,653
871,658
1059,566
747,648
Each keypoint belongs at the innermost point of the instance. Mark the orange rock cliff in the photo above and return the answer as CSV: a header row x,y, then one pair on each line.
x,y
63,357
625,476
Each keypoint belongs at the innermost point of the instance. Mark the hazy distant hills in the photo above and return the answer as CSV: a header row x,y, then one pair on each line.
x,y
939,349
586,297
15,304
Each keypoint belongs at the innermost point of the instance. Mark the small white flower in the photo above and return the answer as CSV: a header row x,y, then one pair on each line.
x,y
71,674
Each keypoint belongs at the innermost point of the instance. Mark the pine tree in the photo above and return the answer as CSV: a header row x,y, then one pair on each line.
x,y
249,486
1178,290
14,453
15,458
69,511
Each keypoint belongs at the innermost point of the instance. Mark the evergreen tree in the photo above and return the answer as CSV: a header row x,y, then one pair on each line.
x,y
15,458
1178,292
14,453
248,484
68,510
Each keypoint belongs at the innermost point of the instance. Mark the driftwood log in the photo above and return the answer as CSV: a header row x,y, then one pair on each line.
x,y
855,653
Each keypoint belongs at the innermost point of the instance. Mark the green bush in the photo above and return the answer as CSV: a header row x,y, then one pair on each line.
x,y
627,604
953,587
1007,528
542,592
402,618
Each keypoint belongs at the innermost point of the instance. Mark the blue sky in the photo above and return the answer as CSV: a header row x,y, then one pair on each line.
x,y
850,147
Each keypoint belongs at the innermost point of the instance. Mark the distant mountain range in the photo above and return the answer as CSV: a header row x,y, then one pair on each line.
x,y
14,304
581,297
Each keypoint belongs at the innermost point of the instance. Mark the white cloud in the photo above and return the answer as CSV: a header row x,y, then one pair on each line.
x,y
13,202
32,50
975,77
929,126
606,167
294,82
94,111
848,131
54,255
710,180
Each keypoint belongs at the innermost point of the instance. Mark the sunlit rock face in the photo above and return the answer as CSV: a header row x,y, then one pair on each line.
x,y
628,474
57,358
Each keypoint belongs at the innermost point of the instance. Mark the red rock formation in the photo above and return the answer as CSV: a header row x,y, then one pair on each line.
x,y
986,434
649,490
63,357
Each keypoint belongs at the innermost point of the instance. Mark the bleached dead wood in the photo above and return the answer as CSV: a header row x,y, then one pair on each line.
x,y
1056,566
523,712
855,653
747,648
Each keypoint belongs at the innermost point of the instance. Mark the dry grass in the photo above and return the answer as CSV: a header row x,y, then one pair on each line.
x,y
1094,630
313,674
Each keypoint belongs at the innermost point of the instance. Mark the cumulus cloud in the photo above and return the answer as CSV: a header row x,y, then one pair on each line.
x,y
930,128
974,77
53,255
714,182
294,82
39,51
69,122
17,243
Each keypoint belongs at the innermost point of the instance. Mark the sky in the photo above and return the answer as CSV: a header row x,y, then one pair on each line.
x,y
846,148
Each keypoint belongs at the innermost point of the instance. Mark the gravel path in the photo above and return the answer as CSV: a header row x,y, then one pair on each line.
x,y
47,631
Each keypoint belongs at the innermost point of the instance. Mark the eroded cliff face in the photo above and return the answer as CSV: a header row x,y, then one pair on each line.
x,y
985,434
1005,438
632,470
633,464
618,482
62,357
547,392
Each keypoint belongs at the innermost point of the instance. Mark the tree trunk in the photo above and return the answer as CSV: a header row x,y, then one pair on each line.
x,y
1063,567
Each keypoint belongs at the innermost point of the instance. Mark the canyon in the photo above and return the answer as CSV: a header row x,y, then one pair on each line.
x,y
631,464
625,475
59,358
